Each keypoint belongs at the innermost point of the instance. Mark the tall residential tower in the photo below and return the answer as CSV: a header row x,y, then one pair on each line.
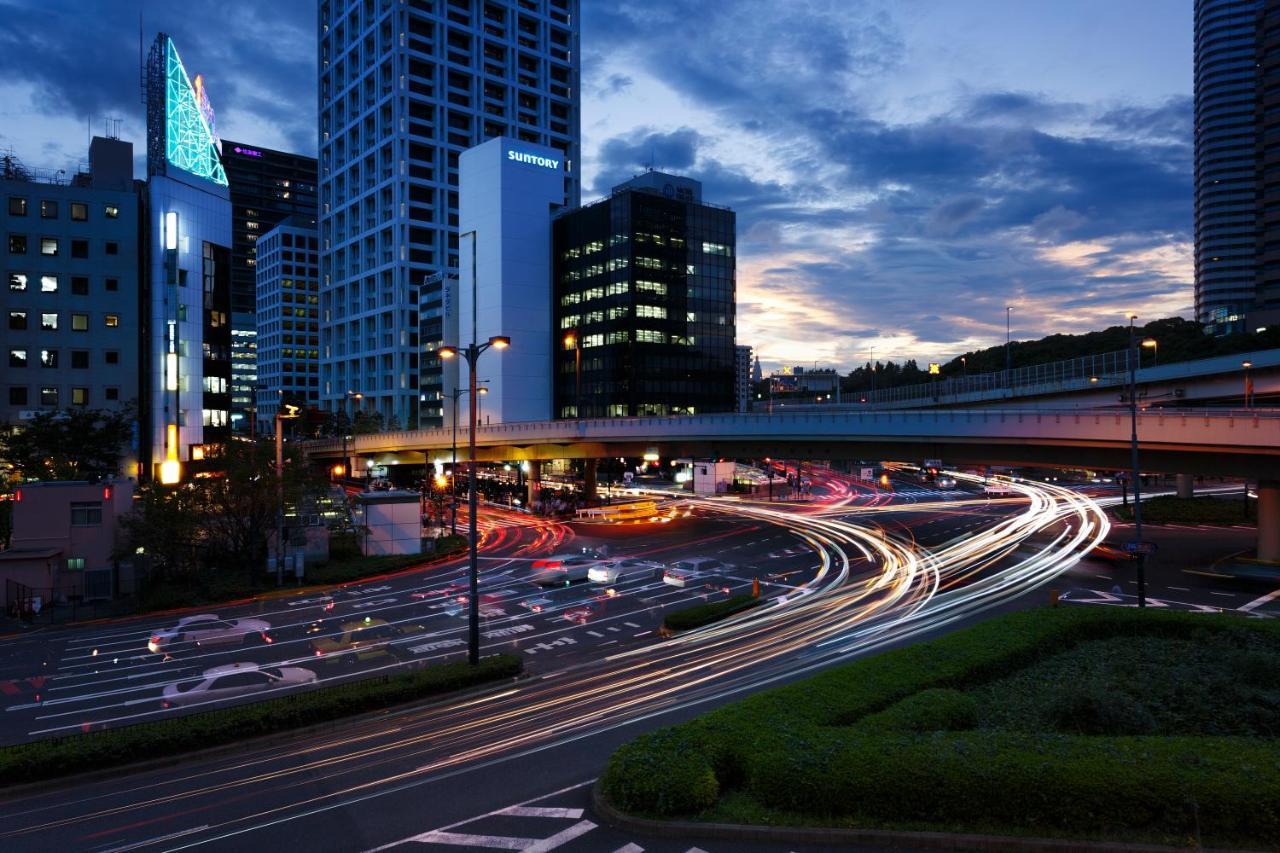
x,y
405,87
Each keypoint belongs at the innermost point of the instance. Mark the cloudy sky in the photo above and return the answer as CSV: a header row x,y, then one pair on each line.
x,y
902,170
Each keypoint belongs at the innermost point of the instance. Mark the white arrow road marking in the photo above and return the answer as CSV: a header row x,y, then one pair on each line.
x,y
629,848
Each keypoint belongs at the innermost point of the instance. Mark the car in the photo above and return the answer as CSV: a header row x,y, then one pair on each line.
x,y
490,606
580,615
206,631
365,638
562,569
695,571
537,603
998,487
233,680
628,568
945,482
1113,551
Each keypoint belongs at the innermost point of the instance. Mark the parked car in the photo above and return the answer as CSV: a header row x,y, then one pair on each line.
x,y
364,639
206,631
616,571
233,680
562,569
695,571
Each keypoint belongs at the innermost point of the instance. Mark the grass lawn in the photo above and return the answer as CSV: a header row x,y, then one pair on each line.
x,y
1089,722
1168,509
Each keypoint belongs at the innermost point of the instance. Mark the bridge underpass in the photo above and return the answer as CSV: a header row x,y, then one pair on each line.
x,y
1211,443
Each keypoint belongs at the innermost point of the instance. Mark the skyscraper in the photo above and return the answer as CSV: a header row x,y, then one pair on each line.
x,y
186,373
1226,168
405,87
644,288
287,311
267,187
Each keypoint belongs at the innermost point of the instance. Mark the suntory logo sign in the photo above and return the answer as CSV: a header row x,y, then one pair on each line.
x,y
533,159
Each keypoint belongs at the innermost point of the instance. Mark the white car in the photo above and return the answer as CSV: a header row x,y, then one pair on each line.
x,y
945,482
693,572
207,630
562,569
626,569
233,680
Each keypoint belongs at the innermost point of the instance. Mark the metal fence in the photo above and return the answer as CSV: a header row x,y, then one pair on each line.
x,y
1107,368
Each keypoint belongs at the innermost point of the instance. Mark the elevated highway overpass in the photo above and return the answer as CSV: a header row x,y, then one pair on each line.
x,y
1239,443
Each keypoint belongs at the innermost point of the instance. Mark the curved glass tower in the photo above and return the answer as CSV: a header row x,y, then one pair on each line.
x,y
1226,151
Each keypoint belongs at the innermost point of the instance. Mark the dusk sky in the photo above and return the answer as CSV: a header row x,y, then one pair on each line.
x,y
902,169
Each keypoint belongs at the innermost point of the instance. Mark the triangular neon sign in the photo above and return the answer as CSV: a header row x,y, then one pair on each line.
x,y
189,141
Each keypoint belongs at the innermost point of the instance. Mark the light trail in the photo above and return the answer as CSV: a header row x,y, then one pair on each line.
x,y
873,588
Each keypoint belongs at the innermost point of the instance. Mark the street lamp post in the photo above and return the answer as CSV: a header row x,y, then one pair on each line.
x,y
1008,340
1248,384
574,339
1154,345
472,353
453,507
280,419
1133,458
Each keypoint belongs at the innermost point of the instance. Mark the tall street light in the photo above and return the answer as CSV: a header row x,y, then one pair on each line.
x,y
1248,384
453,506
1154,345
472,353
281,417
1133,458
1008,340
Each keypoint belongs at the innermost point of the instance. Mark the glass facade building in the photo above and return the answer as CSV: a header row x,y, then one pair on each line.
x,y
267,186
1226,171
644,303
405,88
288,317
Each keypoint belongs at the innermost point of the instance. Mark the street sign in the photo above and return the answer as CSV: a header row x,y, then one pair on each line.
x,y
1140,547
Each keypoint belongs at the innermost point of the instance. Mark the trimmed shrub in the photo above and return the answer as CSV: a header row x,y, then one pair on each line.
x,y
661,773
689,618
115,747
888,741
938,709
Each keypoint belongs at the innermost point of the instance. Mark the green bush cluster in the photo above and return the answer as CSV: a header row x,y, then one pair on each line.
x,y
704,614
1168,509
894,740
114,747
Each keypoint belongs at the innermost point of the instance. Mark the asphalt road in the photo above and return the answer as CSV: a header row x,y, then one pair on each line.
x,y
842,585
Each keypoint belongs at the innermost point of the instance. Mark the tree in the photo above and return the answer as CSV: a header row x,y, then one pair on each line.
x,y
225,519
76,444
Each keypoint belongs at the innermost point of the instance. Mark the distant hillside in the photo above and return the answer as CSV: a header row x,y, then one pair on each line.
x,y
1180,340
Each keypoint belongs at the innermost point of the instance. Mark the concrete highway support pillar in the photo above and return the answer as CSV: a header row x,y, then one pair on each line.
x,y
533,480
1269,520
589,480
1186,485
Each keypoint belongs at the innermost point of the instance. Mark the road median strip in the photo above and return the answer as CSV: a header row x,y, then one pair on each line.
x,y
112,748
688,618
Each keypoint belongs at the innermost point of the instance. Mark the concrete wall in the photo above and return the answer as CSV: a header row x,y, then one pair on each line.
x,y
394,522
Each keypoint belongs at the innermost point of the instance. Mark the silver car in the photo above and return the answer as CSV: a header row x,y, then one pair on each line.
x,y
630,568
234,680
696,571
207,630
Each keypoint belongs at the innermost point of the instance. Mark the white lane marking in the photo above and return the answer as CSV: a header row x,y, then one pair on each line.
x,y
1227,594
157,840
1258,602
1185,589
464,839
540,811
479,817
562,837
629,848
595,633
631,624
695,850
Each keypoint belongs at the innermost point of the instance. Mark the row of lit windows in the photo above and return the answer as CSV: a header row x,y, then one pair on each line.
x,y
49,395
49,246
49,321
18,206
49,358
20,281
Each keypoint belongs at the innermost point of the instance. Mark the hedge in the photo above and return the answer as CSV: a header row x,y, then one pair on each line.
x,y
704,614
888,741
112,748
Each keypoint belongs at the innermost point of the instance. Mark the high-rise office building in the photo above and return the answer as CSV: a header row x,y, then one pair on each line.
x,y
405,88
1226,161
644,291
288,317
70,285
742,378
186,373
267,187
1266,310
